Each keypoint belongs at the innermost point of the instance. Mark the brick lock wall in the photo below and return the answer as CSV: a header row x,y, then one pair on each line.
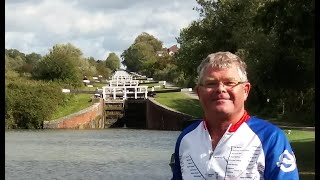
x,y
163,118
91,117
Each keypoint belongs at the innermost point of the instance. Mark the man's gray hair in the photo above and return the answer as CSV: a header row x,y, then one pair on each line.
x,y
223,60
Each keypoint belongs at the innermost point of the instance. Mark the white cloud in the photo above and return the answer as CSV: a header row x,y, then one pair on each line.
x,y
97,27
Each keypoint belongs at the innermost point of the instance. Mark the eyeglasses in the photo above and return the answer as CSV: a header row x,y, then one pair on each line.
x,y
226,84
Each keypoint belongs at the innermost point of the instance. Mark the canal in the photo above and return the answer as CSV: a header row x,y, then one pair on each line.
x,y
112,154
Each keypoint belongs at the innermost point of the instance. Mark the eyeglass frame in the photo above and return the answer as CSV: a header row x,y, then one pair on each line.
x,y
217,84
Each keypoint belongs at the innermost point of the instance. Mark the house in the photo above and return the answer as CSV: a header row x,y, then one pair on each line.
x,y
171,51
162,52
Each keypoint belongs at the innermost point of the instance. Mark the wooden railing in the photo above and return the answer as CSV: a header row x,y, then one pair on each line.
x,y
124,92
123,83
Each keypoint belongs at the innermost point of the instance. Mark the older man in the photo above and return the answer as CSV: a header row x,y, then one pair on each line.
x,y
228,143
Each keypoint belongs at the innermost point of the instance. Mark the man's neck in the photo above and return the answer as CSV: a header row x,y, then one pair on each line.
x,y
219,123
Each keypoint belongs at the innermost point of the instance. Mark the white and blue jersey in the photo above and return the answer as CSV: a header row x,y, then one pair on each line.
x,y
250,149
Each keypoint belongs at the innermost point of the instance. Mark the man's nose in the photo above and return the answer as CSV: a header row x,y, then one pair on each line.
x,y
221,87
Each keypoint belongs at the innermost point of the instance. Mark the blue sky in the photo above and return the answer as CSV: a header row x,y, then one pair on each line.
x,y
97,27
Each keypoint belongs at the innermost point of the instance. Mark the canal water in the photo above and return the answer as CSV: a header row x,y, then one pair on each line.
x,y
111,154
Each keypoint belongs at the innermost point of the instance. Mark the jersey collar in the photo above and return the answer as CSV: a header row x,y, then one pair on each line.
x,y
235,126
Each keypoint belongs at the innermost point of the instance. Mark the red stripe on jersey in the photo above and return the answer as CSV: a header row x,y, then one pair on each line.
x,y
235,126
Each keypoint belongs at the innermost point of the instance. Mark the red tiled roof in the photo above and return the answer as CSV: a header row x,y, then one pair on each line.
x,y
173,49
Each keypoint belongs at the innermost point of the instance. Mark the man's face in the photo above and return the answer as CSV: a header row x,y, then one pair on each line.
x,y
221,91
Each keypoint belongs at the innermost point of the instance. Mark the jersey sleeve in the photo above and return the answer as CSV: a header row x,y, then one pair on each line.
x,y
280,158
280,161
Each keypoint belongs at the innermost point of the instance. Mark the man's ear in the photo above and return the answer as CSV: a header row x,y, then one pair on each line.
x,y
197,89
247,88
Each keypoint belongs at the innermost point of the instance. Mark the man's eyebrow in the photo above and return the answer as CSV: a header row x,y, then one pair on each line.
x,y
223,79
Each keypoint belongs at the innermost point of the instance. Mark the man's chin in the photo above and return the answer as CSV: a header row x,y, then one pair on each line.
x,y
221,109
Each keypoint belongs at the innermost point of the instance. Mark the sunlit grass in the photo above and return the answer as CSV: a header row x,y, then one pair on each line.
x,y
150,84
295,135
180,102
75,104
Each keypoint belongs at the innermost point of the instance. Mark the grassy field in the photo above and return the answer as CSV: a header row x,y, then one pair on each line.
x,y
180,102
303,142
75,104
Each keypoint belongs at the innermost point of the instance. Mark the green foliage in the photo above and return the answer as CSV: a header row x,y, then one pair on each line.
x,y
14,53
10,75
90,67
103,70
141,55
61,64
86,68
149,39
164,61
29,103
19,61
275,38
33,58
14,63
113,61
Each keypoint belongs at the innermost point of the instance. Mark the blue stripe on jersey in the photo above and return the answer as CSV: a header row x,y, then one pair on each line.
x,y
177,171
274,143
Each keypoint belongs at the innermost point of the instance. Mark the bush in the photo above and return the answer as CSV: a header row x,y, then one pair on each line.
x,y
29,103
303,118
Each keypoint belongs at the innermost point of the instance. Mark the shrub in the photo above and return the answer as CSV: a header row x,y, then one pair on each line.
x,y
29,103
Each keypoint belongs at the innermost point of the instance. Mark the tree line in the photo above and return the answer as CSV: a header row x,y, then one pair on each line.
x,y
275,38
33,83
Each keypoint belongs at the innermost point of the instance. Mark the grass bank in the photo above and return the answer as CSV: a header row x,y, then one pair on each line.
x,y
75,104
180,102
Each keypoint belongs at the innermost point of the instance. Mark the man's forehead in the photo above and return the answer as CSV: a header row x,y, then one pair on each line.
x,y
221,78
231,69
230,73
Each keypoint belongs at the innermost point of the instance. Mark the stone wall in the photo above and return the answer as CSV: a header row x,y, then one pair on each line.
x,y
160,117
91,117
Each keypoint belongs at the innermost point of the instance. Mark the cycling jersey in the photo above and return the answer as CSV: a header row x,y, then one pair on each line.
x,y
250,149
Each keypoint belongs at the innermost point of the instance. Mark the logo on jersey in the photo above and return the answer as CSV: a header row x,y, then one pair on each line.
x,y
287,161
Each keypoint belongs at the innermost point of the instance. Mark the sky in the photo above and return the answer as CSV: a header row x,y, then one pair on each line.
x,y
96,27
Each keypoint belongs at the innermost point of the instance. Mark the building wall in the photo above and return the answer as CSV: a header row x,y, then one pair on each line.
x,y
91,117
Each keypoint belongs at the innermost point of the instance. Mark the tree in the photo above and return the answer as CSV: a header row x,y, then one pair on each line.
x,y
103,70
14,59
13,53
149,39
61,64
113,61
86,68
223,26
141,55
33,58
275,38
